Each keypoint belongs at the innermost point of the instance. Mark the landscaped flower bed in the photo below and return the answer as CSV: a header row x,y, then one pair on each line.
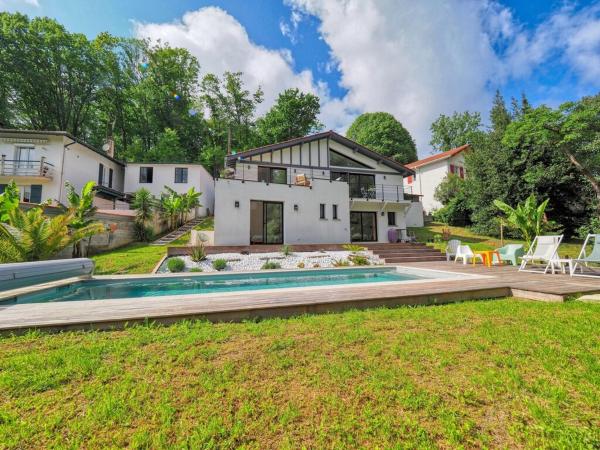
x,y
238,262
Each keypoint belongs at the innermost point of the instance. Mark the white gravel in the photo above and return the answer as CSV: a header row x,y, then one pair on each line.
x,y
237,262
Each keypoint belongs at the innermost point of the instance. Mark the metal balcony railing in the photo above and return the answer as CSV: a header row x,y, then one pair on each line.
x,y
21,168
304,177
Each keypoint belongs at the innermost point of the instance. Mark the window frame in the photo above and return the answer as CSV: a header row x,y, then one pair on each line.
x,y
148,169
322,211
334,212
391,218
182,179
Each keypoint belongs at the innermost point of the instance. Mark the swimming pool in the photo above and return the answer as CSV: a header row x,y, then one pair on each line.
x,y
126,288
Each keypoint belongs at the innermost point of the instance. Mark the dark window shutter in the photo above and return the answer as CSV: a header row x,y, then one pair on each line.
x,y
2,186
36,193
110,177
100,173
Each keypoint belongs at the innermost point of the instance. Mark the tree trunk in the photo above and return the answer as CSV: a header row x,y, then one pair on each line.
x,y
229,140
587,174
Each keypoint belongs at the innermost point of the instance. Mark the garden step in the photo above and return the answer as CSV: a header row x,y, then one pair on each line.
x,y
408,254
173,235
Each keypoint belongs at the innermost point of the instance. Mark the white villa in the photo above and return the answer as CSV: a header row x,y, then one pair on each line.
x,y
322,188
429,173
41,162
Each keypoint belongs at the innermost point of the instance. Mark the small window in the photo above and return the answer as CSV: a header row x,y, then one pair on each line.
x,y
101,174
322,210
334,212
452,168
181,175
391,218
146,174
110,178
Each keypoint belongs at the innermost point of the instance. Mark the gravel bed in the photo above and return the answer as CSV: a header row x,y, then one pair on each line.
x,y
237,262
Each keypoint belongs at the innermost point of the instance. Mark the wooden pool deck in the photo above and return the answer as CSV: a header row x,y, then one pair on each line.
x,y
107,314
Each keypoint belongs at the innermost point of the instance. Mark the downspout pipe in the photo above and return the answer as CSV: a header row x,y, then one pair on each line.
x,y
62,170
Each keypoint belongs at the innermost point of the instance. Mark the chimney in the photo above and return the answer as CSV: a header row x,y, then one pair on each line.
x,y
109,147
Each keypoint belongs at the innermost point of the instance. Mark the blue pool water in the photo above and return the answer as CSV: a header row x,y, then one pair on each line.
x,y
97,289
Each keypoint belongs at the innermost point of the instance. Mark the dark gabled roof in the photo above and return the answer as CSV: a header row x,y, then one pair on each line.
x,y
62,133
315,137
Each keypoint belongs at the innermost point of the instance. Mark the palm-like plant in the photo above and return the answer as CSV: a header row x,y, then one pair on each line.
x,y
32,236
171,205
9,200
83,210
191,200
144,204
528,217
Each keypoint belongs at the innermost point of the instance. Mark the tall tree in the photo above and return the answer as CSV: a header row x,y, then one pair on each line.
x,y
231,109
449,132
293,115
381,132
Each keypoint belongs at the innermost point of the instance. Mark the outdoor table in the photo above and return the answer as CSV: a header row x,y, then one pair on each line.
x,y
488,257
562,263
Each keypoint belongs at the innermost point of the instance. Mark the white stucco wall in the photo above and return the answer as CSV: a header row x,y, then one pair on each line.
x,y
428,177
71,162
414,215
232,225
164,175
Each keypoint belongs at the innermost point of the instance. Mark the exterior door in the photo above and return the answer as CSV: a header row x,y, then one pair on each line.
x,y
266,222
363,226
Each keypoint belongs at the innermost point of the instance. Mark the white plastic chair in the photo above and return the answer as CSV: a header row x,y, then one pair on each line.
x,y
544,250
451,248
465,253
585,259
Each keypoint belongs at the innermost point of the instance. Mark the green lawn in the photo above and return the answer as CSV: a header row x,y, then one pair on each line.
x,y
478,242
495,374
140,257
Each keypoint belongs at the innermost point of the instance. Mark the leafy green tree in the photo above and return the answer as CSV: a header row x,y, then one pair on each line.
x,y
82,208
381,132
449,132
9,201
528,217
32,236
452,194
293,115
231,109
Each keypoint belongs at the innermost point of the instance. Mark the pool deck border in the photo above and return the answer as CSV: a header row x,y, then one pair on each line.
x,y
487,283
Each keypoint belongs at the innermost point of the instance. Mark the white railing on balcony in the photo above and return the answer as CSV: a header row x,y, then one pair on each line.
x,y
21,168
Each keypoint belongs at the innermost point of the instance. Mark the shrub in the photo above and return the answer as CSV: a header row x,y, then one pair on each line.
x,y
198,253
142,232
592,227
176,265
270,265
287,249
353,248
219,264
340,262
359,260
196,269
300,265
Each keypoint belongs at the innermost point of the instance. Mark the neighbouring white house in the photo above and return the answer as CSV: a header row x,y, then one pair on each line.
x,y
179,177
40,162
322,188
429,173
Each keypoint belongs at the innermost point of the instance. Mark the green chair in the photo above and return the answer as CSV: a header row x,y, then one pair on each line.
x,y
510,252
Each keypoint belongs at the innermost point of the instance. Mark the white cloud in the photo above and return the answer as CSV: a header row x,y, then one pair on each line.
x,y
415,60
16,4
222,44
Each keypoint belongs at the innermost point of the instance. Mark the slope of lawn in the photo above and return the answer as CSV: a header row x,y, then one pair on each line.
x,y
140,257
491,374
479,242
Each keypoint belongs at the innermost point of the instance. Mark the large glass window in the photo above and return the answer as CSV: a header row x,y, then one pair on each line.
x,y
361,185
266,222
337,159
363,226
181,175
146,174
272,175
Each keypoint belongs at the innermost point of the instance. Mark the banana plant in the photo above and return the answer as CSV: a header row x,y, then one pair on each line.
x,y
528,217
83,209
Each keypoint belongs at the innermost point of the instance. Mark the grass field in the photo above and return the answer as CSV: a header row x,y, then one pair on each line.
x,y
495,374
140,257
479,242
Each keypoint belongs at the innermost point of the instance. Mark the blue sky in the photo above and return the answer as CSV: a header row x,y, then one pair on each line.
x,y
413,59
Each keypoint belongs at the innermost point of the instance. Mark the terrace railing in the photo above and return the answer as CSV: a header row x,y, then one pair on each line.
x,y
26,168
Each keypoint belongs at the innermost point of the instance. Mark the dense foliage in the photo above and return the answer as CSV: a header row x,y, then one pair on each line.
x,y
449,132
381,132
549,153
146,97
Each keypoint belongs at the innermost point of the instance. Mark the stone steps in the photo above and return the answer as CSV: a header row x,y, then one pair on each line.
x,y
405,252
176,234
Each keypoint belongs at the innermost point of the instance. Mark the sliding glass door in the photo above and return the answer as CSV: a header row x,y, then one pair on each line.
x,y
266,222
363,226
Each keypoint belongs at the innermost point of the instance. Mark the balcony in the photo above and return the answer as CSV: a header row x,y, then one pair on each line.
x,y
39,171
377,192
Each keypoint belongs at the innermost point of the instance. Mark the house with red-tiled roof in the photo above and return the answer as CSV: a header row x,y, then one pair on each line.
x,y
429,173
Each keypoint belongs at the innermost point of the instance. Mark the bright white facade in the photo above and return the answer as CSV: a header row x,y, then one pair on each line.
x,y
430,172
323,188
41,162
179,177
